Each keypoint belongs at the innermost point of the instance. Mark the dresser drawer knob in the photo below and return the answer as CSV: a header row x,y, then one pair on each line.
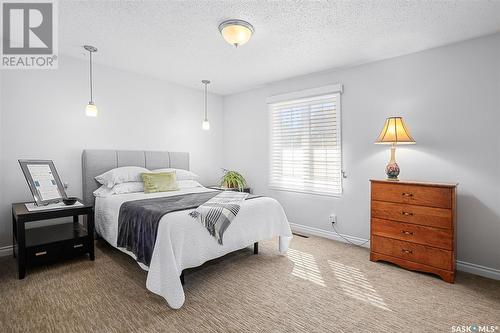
x,y
407,232
407,194
42,253
77,246
406,251
407,213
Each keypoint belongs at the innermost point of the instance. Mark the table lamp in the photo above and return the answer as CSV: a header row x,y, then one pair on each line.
x,y
394,132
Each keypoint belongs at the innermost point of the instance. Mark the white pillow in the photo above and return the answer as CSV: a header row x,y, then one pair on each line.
x,y
130,187
180,173
121,175
183,184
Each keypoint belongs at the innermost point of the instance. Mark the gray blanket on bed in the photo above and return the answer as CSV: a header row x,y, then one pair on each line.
x,y
138,220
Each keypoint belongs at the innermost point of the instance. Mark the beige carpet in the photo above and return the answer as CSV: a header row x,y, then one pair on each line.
x,y
322,286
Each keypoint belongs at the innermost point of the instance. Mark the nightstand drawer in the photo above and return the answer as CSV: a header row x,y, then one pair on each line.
x,y
43,254
413,233
76,247
413,252
429,216
412,194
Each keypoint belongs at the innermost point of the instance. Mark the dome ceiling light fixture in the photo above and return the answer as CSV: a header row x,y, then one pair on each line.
x,y
236,32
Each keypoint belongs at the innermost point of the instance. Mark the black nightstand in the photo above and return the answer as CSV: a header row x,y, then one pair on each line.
x,y
216,187
42,245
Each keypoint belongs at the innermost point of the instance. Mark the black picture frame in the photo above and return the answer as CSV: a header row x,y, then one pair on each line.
x,y
39,201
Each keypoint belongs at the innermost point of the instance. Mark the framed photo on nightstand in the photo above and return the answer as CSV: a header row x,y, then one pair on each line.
x,y
43,181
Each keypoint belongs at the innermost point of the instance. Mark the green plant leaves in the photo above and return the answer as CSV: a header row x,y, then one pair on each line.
x,y
233,179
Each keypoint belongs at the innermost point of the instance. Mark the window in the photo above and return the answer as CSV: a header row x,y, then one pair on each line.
x,y
306,143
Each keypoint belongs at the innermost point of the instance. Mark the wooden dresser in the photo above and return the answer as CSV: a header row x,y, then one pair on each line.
x,y
413,225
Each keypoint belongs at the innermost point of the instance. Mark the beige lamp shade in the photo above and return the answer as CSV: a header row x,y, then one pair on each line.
x,y
395,131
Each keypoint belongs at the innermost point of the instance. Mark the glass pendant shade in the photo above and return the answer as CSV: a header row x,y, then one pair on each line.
x,y
236,32
205,125
91,110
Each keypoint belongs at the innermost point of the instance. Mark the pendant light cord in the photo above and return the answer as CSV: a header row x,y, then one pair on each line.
x,y
91,97
205,101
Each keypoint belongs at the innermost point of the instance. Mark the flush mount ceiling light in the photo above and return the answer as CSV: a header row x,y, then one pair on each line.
x,y
236,32
91,108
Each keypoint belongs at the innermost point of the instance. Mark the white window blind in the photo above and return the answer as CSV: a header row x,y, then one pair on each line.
x,y
306,145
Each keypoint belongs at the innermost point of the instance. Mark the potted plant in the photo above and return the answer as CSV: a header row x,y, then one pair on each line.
x,y
233,180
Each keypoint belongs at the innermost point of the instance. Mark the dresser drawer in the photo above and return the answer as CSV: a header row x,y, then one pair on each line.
x,y
413,233
412,194
413,252
429,216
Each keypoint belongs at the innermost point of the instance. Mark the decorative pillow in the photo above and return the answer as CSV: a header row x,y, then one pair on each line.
x,y
159,182
123,188
181,174
121,175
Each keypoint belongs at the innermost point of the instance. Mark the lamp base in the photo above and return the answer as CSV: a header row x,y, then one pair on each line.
x,y
392,171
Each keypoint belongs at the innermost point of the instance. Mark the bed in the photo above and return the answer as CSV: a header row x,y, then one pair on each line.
x,y
181,242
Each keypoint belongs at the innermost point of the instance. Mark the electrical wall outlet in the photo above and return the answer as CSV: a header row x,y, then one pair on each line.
x,y
332,218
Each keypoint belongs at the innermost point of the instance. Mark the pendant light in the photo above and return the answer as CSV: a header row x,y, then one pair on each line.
x,y
236,32
91,108
205,125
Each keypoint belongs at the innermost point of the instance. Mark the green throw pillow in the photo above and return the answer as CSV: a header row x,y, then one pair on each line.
x,y
159,182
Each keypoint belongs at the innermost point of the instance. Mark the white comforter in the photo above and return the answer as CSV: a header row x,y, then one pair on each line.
x,y
183,242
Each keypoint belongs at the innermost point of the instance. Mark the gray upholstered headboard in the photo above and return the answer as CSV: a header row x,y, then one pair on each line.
x,y
96,162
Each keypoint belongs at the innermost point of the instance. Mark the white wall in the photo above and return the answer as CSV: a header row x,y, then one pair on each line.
x,y
450,99
43,117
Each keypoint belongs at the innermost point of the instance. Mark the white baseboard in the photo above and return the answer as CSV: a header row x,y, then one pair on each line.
x,y
6,251
303,229
488,272
463,266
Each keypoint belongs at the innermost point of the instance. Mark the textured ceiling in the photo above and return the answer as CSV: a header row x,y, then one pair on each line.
x,y
178,40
